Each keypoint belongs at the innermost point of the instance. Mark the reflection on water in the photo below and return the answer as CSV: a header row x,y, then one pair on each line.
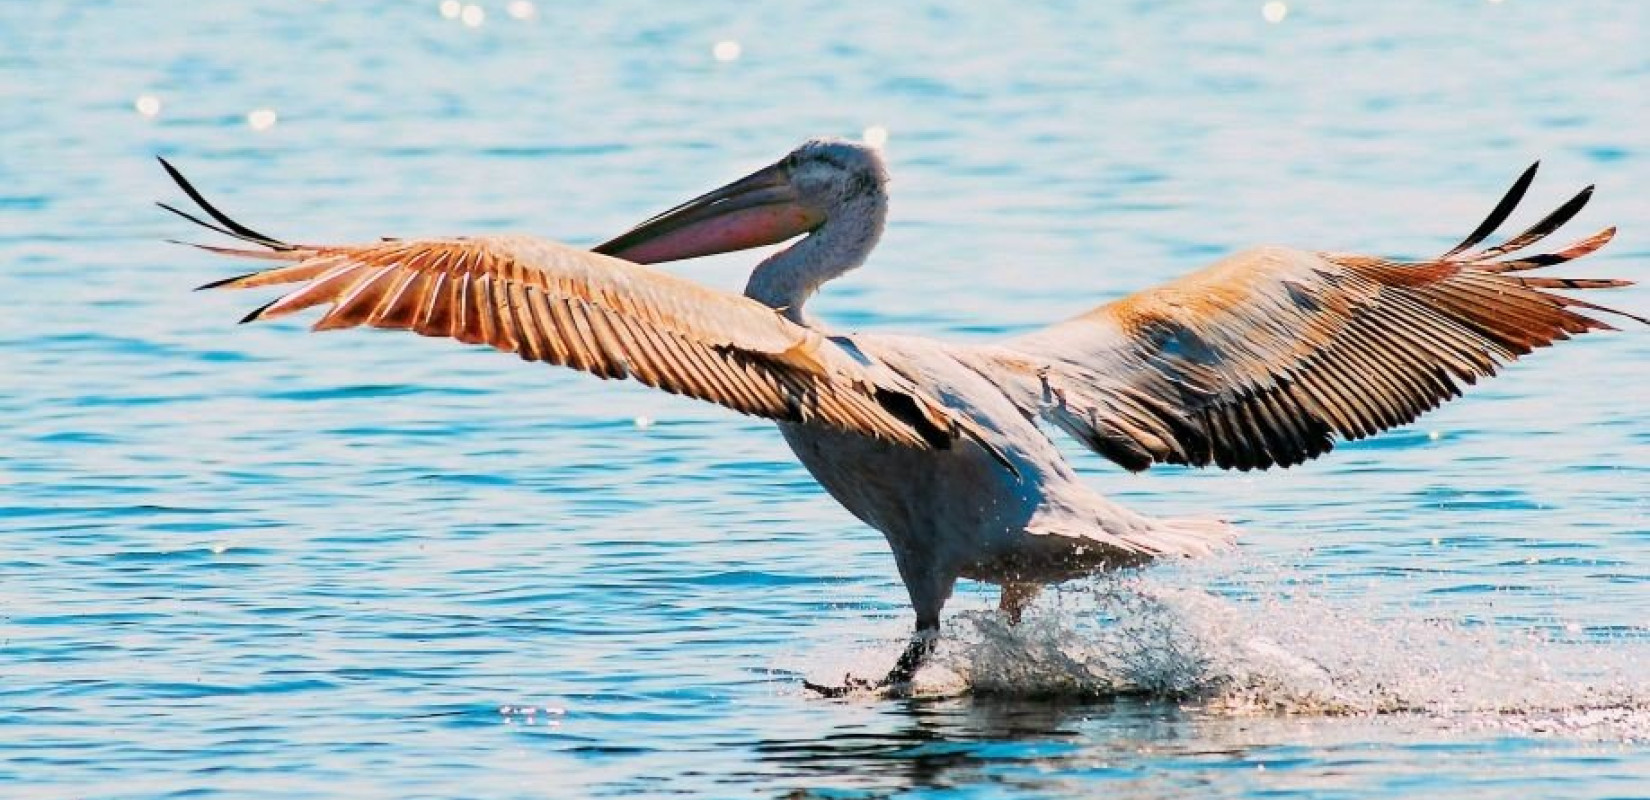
x,y
244,562
944,743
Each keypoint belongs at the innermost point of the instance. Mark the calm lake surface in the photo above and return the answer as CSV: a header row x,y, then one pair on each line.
x,y
252,562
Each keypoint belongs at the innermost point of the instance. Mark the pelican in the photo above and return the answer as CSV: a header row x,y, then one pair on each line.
x,y
1263,359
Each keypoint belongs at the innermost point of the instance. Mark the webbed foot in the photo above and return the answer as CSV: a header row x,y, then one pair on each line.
x,y
850,686
897,683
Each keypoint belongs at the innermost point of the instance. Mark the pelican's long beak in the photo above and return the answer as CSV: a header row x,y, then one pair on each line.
x,y
758,209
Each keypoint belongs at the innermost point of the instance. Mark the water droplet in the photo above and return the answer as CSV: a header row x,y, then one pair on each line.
x,y
521,9
875,136
643,423
1435,435
1274,11
218,548
262,119
148,105
473,15
727,50
450,9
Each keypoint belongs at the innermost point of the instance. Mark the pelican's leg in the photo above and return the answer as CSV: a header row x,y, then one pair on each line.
x,y
922,645
928,597
929,586
1016,597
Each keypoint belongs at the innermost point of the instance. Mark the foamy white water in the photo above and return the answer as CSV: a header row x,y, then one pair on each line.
x,y
1279,648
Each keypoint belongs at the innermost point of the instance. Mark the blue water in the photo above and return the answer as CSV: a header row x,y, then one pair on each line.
x,y
250,561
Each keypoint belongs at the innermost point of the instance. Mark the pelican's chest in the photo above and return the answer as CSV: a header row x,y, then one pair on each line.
x,y
914,494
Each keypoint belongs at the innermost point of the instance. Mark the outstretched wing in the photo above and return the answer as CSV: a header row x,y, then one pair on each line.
x,y
549,302
1263,358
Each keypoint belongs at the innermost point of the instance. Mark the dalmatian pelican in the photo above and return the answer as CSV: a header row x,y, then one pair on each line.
x,y
1263,359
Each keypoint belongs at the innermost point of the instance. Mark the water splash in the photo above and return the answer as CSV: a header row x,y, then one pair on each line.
x,y
1272,646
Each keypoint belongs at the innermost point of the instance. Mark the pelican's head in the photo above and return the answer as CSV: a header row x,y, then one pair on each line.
x,y
821,181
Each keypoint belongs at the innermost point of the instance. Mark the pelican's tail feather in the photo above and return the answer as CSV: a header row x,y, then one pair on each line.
x,y
1192,537
1115,537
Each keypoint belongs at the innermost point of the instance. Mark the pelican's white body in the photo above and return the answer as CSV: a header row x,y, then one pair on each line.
x,y
961,512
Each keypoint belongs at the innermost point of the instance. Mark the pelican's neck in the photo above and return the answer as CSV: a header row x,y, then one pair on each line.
x,y
786,279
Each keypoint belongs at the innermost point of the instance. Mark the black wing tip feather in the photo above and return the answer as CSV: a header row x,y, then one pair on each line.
x,y
1553,221
1618,312
1484,259
1547,225
217,284
229,226
201,222
1499,214
1504,208
209,284
254,314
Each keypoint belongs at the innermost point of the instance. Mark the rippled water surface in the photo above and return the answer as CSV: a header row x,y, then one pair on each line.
x,y
248,561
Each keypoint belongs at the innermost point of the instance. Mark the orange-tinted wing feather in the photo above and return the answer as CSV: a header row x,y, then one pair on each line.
x,y
1263,358
549,302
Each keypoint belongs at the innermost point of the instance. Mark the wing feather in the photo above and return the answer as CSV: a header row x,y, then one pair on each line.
x,y
1262,359
548,302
